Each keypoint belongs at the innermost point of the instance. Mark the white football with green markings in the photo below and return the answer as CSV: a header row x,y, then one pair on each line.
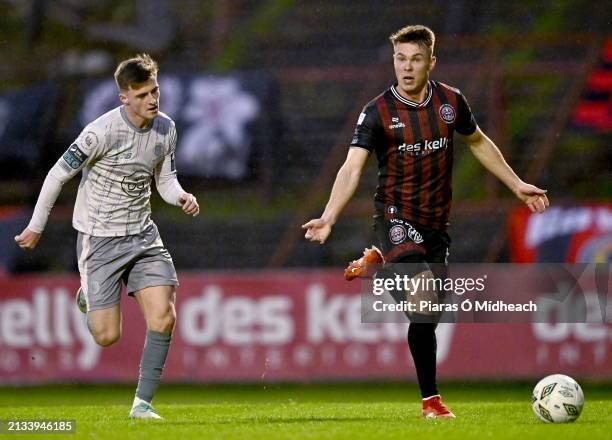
x,y
557,399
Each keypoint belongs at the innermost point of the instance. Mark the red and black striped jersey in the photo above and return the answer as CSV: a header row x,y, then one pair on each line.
x,y
413,143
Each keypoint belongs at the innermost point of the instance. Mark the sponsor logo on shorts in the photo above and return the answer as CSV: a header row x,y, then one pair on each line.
x,y
409,231
397,234
447,113
74,157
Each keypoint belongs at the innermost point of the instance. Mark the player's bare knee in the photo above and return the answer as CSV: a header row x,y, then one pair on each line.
x,y
164,321
162,325
106,336
169,321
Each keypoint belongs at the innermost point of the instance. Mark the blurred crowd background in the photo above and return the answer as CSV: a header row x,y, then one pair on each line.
x,y
266,95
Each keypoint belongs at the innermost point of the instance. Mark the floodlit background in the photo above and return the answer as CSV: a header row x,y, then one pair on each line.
x,y
265,95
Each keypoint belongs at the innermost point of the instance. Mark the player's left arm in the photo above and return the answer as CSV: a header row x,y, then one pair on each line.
x,y
171,190
492,159
168,185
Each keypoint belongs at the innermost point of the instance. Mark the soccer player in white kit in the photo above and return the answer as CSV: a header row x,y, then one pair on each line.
x,y
119,153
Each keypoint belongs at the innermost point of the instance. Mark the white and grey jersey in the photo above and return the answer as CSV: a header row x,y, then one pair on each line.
x,y
118,161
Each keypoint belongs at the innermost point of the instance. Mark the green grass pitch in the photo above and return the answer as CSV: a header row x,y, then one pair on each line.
x,y
321,411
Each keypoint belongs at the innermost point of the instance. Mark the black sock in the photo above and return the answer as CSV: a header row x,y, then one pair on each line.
x,y
423,346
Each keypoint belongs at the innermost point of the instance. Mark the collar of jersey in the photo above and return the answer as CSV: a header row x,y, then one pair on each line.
x,y
132,126
413,103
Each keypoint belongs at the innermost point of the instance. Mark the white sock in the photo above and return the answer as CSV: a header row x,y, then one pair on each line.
x,y
138,400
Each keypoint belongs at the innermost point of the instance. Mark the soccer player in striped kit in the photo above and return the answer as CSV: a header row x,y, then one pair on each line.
x,y
119,154
410,128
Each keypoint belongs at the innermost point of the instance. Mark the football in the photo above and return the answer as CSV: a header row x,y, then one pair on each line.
x,y
557,399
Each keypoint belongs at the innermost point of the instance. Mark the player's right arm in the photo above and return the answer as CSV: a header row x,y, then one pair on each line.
x,y
81,152
346,182
368,132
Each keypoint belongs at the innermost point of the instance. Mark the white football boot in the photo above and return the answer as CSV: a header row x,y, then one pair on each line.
x,y
143,410
80,300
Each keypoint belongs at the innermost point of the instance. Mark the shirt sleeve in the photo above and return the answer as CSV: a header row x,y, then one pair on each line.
x,y
368,129
466,123
86,148
166,179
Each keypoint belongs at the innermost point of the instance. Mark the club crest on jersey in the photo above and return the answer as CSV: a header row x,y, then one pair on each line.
x,y
447,113
159,150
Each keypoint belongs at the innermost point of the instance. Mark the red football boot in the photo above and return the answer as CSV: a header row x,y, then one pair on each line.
x,y
366,266
433,408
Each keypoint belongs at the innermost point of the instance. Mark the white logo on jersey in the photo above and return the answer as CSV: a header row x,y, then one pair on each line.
x,y
397,124
424,146
361,118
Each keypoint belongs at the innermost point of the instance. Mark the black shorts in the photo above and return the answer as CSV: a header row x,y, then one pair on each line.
x,y
400,238
409,249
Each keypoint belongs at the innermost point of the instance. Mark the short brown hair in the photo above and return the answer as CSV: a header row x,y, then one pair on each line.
x,y
135,71
419,34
